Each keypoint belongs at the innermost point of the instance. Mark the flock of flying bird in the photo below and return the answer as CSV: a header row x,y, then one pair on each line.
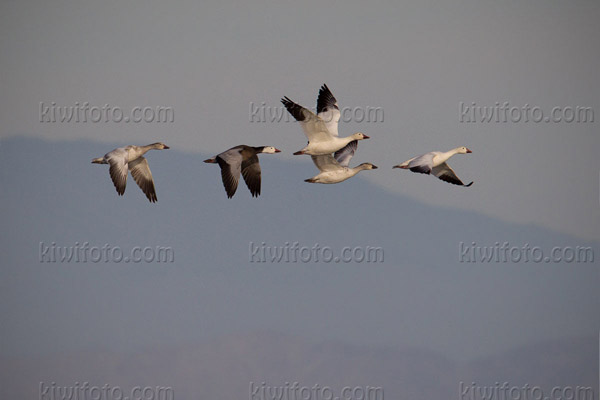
x,y
330,153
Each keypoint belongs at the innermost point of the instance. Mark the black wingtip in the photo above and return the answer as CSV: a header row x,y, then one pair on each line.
x,y
293,108
325,100
468,184
286,100
421,169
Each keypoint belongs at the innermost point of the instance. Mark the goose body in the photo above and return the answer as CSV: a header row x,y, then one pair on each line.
x,y
321,129
242,160
130,158
334,168
435,163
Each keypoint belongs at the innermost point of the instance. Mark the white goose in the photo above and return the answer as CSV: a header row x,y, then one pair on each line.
x,y
241,159
131,158
435,163
334,168
321,129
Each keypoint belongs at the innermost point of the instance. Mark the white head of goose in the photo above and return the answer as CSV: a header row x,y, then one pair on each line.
x,y
321,129
241,159
435,163
131,158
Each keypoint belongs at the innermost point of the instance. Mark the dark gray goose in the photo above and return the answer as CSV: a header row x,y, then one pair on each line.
x,y
131,158
241,159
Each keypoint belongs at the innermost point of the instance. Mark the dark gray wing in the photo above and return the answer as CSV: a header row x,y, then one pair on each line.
x,y
252,175
230,162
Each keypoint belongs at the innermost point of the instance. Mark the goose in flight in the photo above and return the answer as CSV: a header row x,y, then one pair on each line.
x,y
321,129
435,163
241,159
131,158
334,168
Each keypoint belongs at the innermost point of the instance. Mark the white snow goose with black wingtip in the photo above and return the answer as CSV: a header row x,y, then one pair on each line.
x,y
435,163
241,159
334,168
321,129
131,158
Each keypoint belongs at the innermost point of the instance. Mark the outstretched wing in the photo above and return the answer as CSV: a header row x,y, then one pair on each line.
x,y
447,174
143,177
252,175
344,154
314,127
325,163
230,162
422,164
117,159
328,110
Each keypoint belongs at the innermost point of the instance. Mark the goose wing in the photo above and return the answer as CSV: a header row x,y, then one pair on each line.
x,y
422,164
117,159
143,177
344,154
314,127
328,110
447,174
230,162
252,174
325,163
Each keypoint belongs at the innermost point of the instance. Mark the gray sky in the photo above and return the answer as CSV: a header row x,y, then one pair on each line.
x,y
417,62
535,183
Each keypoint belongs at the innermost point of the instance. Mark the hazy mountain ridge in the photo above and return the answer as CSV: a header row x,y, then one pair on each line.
x,y
225,367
